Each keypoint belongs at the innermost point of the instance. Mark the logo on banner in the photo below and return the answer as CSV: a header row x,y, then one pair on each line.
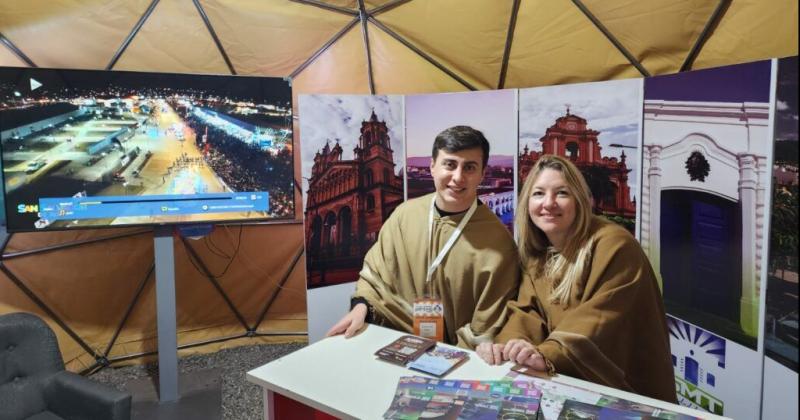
x,y
698,358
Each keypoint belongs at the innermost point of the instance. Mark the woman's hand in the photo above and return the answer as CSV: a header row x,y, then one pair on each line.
x,y
524,353
490,353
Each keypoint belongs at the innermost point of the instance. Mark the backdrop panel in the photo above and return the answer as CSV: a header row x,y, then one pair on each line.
x,y
780,338
491,112
596,125
707,150
352,154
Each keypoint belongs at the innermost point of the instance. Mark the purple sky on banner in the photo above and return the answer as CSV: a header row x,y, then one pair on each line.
x,y
492,112
738,83
786,103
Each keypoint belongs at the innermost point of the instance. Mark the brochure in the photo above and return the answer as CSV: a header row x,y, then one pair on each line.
x,y
419,397
405,349
439,361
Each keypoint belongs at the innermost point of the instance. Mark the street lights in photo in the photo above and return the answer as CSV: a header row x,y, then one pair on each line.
x,y
622,146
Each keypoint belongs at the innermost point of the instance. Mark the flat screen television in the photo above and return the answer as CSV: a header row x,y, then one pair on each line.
x,y
89,149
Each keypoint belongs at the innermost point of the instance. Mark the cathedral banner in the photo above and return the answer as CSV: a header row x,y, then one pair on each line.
x,y
352,167
491,112
597,125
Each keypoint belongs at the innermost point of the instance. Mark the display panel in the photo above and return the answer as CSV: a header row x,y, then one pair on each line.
x,y
90,149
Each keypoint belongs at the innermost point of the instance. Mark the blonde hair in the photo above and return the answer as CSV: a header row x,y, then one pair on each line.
x,y
567,265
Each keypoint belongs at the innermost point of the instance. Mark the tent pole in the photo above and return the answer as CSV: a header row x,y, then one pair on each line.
x,y
421,53
362,16
386,7
712,23
6,239
512,25
214,35
211,341
599,25
279,287
326,6
130,36
324,48
10,45
70,245
128,311
215,283
43,306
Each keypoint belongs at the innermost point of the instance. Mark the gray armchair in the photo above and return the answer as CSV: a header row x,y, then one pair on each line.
x,y
34,384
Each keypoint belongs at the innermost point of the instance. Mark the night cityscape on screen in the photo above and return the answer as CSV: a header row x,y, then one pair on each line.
x,y
93,148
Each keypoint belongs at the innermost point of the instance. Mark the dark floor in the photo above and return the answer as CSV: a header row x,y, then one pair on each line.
x,y
210,386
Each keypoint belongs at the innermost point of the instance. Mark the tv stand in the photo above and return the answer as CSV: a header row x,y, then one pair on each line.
x,y
164,249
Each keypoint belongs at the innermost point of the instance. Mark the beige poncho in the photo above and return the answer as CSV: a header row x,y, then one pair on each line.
x,y
475,280
613,329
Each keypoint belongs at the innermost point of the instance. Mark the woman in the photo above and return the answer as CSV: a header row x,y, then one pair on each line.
x,y
589,305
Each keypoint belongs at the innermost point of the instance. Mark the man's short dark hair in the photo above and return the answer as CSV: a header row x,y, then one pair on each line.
x,y
458,138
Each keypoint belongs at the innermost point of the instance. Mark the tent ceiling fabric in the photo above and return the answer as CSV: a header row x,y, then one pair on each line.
x,y
69,33
265,40
659,34
340,69
553,42
390,58
469,43
752,30
8,58
181,45
568,49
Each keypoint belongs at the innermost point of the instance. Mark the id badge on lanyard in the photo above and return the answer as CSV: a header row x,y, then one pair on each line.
x,y
429,318
428,309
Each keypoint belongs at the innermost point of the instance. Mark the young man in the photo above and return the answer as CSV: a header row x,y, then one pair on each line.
x,y
444,249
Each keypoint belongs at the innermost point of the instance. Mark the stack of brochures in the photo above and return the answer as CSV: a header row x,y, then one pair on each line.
x,y
419,397
422,354
561,402
405,349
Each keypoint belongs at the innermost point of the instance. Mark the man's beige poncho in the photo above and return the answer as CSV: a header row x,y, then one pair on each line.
x,y
475,280
612,331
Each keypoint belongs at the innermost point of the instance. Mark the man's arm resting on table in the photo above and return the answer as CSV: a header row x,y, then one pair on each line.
x,y
351,323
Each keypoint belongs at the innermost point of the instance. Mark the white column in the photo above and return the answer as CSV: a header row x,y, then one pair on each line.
x,y
644,202
748,182
761,174
654,178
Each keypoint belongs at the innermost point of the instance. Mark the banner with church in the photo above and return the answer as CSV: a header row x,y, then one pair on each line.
x,y
352,166
597,126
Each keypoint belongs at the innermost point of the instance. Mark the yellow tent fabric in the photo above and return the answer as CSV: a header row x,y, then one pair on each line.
x,y
410,46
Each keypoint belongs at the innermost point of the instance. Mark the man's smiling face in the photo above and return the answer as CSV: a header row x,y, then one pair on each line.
x,y
456,177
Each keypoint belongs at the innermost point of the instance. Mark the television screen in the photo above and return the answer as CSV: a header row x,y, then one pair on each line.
x,y
87,149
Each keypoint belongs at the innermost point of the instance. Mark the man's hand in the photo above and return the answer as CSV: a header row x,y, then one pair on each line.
x,y
351,323
491,353
524,353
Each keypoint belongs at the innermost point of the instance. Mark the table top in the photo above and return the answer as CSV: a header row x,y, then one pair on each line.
x,y
342,377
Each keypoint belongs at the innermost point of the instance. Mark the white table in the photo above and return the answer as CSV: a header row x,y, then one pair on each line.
x,y
343,378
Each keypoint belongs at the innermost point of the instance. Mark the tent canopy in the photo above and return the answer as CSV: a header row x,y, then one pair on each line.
x,y
399,46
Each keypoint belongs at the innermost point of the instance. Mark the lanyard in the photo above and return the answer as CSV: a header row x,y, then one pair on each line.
x,y
449,244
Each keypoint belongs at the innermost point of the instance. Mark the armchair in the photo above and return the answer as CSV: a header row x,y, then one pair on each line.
x,y
34,384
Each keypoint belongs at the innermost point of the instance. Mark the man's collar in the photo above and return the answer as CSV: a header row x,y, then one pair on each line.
x,y
443,213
